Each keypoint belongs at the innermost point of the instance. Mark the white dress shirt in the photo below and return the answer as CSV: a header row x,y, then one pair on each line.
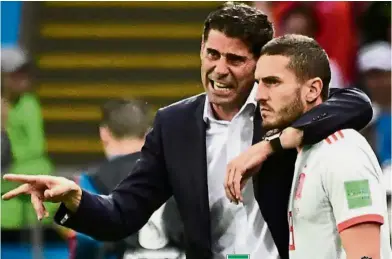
x,y
235,229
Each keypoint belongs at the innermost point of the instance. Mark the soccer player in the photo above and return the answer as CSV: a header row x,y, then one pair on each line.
x,y
337,206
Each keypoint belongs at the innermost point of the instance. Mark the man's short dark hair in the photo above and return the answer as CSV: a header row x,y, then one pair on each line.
x,y
307,59
238,20
126,118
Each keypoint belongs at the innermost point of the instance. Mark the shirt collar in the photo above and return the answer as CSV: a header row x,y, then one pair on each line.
x,y
250,101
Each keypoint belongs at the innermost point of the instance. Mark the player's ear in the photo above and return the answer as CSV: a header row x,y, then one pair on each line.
x,y
315,86
104,134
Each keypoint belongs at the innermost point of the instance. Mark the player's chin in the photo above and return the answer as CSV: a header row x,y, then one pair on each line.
x,y
269,123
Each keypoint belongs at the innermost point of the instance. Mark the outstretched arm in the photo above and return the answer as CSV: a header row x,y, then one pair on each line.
x,y
107,218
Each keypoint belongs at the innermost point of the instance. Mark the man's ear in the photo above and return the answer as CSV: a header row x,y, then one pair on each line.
x,y
104,134
315,86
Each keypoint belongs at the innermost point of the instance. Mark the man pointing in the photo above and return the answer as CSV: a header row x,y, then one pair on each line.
x,y
186,153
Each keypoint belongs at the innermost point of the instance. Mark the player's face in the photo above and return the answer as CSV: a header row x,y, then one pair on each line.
x,y
279,93
227,70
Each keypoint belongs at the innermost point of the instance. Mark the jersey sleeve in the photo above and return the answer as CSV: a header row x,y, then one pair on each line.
x,y
354,187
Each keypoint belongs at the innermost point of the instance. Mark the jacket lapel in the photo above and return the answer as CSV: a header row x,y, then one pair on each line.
x,y
197,166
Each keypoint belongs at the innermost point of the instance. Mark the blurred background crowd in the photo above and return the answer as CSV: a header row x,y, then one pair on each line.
x,y
66,68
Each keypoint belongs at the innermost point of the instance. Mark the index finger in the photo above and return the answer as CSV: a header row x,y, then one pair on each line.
x,y
22,178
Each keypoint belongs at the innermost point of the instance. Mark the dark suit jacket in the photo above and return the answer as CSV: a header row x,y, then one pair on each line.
x,y
173,162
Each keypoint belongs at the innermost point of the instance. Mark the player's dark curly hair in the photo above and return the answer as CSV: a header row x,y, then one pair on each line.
x,y
238,20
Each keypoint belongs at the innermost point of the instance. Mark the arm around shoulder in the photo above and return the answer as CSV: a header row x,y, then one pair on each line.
x,y
345,108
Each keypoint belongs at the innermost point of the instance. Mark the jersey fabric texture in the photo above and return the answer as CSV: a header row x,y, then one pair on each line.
x,y
337,183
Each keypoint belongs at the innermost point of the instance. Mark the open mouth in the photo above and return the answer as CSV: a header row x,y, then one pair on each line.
x,y
220,87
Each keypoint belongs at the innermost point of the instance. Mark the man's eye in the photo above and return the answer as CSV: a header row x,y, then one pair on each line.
x,y
236,62
272,82
212,54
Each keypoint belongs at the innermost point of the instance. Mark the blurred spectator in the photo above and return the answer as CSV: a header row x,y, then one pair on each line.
x,y
302,19
122,132
374,62
6,154
375,73
337,30
375,22
388,180
25,131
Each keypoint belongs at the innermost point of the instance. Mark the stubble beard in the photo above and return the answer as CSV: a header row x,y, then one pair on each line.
x,y
286,115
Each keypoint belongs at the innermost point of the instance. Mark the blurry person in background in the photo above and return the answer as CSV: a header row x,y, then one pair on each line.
x,y
6,154
25,130
122,132
337,33
375,22
374,63
302,19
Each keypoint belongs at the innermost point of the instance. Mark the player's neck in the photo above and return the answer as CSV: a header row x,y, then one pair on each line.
x,y
308,107
125,147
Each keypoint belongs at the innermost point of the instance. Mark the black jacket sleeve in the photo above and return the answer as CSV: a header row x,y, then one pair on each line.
x,y
130,204
345,108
